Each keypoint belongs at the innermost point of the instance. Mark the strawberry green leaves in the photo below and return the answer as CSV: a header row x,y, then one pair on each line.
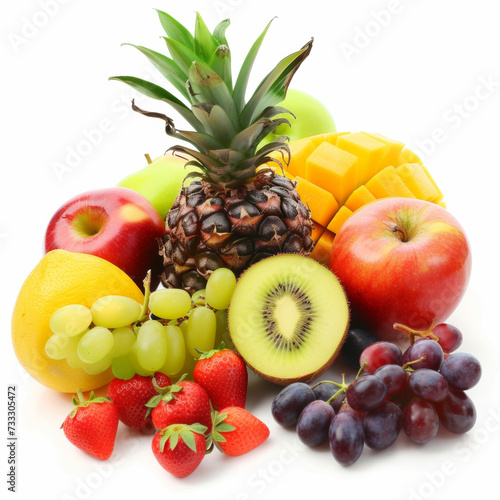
x,y
181,431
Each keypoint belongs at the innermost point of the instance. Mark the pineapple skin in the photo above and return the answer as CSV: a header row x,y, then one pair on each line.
x,y
211,225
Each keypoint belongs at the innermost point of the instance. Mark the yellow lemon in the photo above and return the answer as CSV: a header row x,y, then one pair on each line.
x,y
62,278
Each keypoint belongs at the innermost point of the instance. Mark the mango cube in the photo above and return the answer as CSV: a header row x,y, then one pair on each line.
x,y
417,181
331,138
358,198
387,183
368,151
338,219
299,152
333,170
393,148
408,156
317,231
440,194
321,203
323,248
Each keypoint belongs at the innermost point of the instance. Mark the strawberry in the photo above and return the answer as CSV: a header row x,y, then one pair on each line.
x,y
180,448
236,431
130,397
223,374
92,425
181,403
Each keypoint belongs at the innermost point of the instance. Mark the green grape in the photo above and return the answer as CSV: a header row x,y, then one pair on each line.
x,y
124,341
220,286
198,298
201,329
70,320
72,357
56,346
132,357
122,368
115,311
170,303
151,346
222,334
95,344
183,326
176,351
99,366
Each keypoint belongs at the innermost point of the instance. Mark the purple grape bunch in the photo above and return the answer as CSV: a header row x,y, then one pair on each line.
x,y
415,391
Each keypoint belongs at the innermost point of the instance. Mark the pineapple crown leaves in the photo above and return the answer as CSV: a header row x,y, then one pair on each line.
x,y
164,394
227,129
185,432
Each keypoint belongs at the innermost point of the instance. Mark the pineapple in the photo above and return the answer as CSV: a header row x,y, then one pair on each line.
x,y
234,213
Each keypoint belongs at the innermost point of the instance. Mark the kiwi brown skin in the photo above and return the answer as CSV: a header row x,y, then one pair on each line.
x,y
308,377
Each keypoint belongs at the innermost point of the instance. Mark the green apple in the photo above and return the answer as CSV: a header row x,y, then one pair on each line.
x,y
311,117
159,182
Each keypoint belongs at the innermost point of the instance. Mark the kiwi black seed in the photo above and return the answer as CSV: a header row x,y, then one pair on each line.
x,y
288,318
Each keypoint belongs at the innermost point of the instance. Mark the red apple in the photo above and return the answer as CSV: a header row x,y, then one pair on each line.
x,y
116,224
401,260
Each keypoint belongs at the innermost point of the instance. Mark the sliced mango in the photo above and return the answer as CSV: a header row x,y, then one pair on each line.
x,y
387,183
361,196
393,148
317,231
338,219
417,181
408,156
299,152
369,152
322,249
440,194
331,138
333,170
321,203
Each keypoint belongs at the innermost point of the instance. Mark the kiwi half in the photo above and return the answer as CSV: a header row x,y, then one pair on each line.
x,y
288,318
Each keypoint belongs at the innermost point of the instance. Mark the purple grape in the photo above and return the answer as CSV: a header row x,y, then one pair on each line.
x,y
457,412
366,393
325,390
380,354
346,437
382,426
461,370
394,378
429,385
432,351
356,341
290,402
314,423
450,338
420,421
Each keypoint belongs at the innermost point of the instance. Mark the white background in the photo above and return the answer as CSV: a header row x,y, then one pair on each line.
x,y
402,68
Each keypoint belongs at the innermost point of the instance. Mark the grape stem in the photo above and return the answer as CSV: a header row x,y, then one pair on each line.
x,y
416,333
409,363
147,292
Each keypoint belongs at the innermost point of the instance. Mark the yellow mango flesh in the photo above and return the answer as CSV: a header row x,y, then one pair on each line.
x,y
338,219
387,183
368,151
323,247
321,203
359,197
416,180
333,170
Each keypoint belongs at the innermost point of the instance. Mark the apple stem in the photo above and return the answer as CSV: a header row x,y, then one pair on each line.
x,y
416,333
403,236
148,158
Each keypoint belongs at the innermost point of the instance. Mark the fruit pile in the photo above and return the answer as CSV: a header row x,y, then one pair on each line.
x,y
189,418
167,333
282,269
415,391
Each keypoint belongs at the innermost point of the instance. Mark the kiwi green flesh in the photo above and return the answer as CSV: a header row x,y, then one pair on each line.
x,y
288,318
